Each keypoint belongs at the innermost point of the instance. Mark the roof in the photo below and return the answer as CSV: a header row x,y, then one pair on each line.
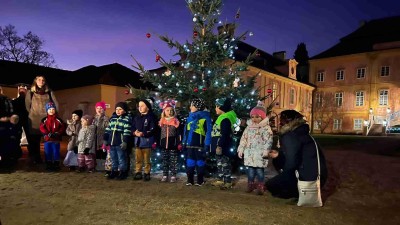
x,y
365,37
112,74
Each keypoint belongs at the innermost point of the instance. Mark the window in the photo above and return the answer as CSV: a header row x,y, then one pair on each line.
x,y
383,97
291,96
358,124
360,73
385,71
337,124
317,125
359,98
320,76
339,99
340,75
274,90
318,99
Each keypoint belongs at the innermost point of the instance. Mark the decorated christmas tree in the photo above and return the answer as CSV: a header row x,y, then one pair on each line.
x,y
207,68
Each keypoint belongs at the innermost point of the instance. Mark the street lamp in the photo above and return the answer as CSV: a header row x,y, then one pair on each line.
x,y
388,120
371,111
388,110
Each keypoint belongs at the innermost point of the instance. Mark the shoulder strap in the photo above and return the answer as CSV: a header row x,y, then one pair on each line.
x,y
319,167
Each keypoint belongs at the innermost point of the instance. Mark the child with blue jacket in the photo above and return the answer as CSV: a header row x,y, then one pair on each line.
x,y
196,141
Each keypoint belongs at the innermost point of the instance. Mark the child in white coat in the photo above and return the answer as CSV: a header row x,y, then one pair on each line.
x,y
255,144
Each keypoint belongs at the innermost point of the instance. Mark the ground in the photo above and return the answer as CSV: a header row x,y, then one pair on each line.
x,y
363,188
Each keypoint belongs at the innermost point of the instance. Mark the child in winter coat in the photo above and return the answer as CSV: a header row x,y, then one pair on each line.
x,y
116,136
100,121
197,140
255,144
86,145
52,128
222,141
170,139
73,128
144,128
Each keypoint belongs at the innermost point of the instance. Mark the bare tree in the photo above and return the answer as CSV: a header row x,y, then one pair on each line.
x,y
26,49
326,108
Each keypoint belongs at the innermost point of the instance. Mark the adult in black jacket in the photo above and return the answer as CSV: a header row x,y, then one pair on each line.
x,y
297,152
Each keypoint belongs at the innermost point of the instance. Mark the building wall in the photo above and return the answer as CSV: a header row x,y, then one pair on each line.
x,y
371,85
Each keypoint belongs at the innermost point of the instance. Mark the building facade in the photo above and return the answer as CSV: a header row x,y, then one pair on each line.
x,y
358,81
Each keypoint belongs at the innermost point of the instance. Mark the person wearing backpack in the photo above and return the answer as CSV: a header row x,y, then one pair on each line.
x,y
35,100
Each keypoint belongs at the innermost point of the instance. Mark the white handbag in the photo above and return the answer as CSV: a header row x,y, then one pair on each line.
x,y
310,191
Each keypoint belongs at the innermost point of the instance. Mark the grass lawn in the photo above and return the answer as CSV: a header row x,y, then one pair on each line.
x,y
363,188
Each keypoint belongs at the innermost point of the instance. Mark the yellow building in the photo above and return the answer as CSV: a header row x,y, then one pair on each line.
x,y
357,81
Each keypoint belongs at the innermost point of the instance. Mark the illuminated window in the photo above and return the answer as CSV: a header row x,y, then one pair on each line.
x,y
359,98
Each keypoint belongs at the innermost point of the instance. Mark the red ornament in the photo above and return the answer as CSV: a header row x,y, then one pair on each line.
x,y
204,89
195,33
148,35
158,57
269,91
196,90
126,92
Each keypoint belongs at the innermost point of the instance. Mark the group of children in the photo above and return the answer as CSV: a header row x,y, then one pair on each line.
x,y
117,135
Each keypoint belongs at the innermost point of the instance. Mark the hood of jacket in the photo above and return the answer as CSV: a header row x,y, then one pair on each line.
x,y
300,125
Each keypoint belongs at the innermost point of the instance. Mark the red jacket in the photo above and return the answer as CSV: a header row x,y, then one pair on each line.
x,y
52,127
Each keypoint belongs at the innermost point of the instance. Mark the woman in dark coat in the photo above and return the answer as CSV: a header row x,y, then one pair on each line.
x,y
297,152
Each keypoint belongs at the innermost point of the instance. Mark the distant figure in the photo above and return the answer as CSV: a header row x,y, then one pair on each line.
x,y
35,102
297,152
20,110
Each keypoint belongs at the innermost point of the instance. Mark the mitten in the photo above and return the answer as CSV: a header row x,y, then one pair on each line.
x,y
86,151
123,145
104,147
50,135
179,147
265,154
154,146
75,149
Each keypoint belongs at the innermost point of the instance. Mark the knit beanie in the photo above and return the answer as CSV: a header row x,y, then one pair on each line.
x,y
123,106
50,105
224,104
102,104
148,103
259,110
88,118
78,112
198,103
167,103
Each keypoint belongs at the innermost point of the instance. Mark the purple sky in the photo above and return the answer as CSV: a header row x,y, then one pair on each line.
x,y
97,32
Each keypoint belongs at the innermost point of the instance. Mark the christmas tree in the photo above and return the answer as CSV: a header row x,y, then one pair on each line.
x,y
207,68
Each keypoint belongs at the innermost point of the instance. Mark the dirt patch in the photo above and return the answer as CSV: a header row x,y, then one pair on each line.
x,y
363,188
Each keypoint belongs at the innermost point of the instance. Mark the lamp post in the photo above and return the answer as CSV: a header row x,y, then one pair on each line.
x,y
388,120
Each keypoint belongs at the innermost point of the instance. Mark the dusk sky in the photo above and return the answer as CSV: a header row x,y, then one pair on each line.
x,y
98,32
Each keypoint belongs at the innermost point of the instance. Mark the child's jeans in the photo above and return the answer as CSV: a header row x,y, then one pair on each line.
x,y
52,151
252,172
118,158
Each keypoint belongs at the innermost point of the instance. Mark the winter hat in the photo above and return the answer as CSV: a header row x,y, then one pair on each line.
x,y
101,104
88,118
50,105
78,112
198,103
123,105
224,104
167,103
148,102
259,110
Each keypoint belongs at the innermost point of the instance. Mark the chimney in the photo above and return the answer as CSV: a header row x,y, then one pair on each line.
x,y
280,55
228,28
